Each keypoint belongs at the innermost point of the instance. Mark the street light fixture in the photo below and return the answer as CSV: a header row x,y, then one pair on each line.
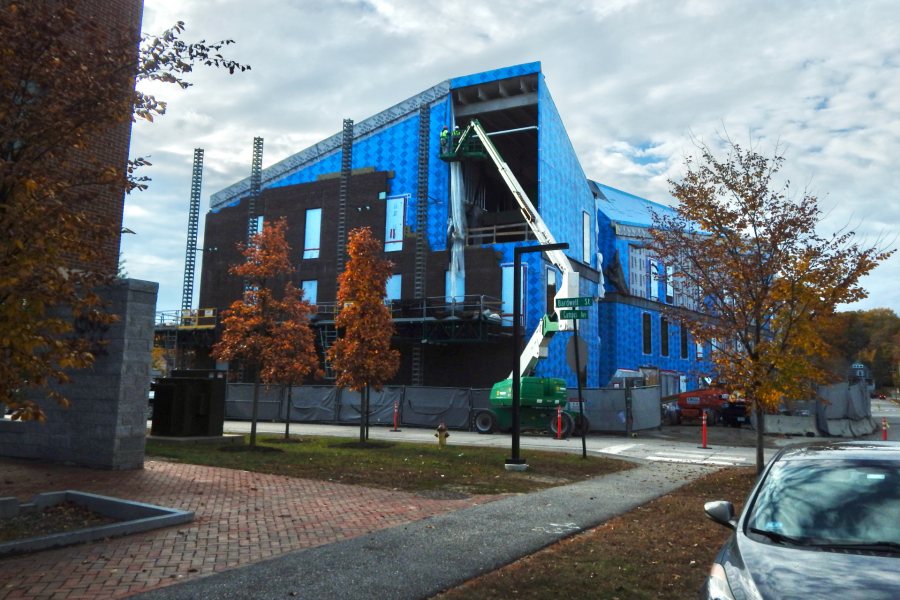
x,y
517,463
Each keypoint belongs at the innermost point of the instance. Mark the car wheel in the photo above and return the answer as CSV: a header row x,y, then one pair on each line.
x,y
567,425
485,422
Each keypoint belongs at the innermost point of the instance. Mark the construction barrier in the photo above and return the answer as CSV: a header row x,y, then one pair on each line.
x,y
419,406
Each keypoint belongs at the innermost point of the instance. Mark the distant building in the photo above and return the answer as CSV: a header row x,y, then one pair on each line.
x,y
859,372
635,331
453,317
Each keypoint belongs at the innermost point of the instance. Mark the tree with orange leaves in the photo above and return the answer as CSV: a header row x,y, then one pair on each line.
x,y
362,355
67,97
270,336
757,279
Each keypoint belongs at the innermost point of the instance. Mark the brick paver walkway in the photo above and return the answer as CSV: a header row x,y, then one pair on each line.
x,y
241,518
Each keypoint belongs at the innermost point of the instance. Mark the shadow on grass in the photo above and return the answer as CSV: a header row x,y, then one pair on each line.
x,y
242,448
369,445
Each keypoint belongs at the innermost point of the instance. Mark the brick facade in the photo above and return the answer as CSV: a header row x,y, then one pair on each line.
x,y
111,146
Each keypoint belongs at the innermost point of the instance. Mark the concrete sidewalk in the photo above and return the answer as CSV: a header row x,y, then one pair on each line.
x,y
419,559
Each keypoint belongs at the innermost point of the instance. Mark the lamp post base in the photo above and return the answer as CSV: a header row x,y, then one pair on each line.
x,y
516,464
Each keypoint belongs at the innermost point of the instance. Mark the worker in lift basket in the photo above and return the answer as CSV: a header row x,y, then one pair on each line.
x,y
457,134
445,140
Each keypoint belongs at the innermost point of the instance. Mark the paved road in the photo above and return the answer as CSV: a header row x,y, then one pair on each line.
x,y
652,446
682,445
890,410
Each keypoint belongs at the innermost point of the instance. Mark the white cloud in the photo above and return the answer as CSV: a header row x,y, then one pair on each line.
x,y
635,83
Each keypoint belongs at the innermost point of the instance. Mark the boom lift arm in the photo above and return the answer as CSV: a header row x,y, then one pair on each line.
x,y
536,348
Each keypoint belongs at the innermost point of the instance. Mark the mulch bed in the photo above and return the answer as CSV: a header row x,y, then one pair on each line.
x,y
66,516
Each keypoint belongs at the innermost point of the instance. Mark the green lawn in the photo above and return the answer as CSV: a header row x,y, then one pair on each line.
x,y
662,550
393,465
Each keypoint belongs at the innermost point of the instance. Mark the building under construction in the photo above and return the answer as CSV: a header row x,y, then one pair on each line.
x,y
450,209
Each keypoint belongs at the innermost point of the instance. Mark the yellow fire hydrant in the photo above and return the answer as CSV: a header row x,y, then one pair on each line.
x,y
441,434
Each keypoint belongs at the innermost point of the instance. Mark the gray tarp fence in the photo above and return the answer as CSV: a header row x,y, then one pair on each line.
x,y
381,405
847,410
239,402
605,408
314,403
426,406
429,406
841,409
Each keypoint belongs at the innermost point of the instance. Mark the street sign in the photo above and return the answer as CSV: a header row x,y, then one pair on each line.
x,y
570,302
573,314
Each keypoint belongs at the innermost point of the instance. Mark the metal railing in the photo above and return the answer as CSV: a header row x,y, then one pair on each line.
x,y
434,307
188,318
498,234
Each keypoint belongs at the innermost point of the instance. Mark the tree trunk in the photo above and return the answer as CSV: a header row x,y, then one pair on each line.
x,y
362,417
254,412
287,414
368,398
760,440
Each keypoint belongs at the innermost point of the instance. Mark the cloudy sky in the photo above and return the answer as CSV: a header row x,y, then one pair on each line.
x,y
637,83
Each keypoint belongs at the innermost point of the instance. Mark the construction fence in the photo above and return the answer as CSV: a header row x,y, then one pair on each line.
x,y
605,408
841,410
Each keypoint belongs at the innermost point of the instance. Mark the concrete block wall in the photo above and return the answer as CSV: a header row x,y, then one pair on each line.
x,y
105,424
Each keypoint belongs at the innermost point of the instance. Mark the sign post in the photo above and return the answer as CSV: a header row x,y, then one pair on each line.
x,y
516,462
575,315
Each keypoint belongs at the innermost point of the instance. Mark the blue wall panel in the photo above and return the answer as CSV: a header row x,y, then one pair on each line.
x,y
563,191
622,325
438,178
563,195
393,148
330,163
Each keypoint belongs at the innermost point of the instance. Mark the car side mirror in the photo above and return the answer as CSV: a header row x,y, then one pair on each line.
x,y
722,512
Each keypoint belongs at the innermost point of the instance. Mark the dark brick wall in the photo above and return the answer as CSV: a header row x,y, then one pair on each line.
x,y
110,145
226,227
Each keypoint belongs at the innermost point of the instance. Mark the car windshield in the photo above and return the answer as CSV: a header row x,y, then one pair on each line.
x,y
831,502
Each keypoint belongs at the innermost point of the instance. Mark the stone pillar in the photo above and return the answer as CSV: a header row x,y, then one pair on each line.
x,y
106,423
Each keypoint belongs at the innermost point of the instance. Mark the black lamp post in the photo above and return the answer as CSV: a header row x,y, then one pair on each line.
x,y
517,462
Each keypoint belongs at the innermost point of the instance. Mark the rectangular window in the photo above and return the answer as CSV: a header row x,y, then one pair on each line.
x,y
260,220
310,289
684,341
653,270
392,288
395,207
454,287
637,270
670,285
312,237
699,347
585,237
664,335
507,293
551,290
648,334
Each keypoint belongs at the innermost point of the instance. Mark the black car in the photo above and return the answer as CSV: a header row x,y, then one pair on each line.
x,y
823,521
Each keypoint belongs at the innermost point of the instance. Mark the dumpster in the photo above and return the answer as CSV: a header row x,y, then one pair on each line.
x,y
189,404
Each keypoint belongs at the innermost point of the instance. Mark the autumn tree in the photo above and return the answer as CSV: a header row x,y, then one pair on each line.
x,y
291,357
67,90
760,279
870,336
270,336
362,355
